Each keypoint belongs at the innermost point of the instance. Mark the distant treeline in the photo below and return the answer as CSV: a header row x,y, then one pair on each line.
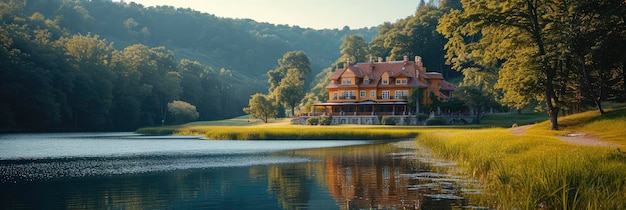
x,y
103,65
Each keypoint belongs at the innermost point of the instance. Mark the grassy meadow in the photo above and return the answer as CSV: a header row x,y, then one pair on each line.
x,y
535,170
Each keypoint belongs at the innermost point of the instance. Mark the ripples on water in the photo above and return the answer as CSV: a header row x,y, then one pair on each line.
x,y
44,156
127,171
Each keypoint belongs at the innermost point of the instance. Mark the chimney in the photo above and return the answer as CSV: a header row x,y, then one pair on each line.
x,y
371,59
419,65
347,62
388,59
380,59
406,59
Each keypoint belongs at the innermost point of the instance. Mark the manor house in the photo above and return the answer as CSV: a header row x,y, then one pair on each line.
x,y
360,93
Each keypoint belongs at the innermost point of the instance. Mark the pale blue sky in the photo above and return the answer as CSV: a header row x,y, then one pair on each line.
x,y
317,14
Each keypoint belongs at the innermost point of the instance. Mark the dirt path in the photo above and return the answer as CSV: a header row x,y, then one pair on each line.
x,y
574,138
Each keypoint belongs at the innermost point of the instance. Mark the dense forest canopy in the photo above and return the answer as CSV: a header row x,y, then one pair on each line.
x,y
103,65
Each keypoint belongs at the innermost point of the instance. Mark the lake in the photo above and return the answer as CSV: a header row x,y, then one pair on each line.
x,y
128,171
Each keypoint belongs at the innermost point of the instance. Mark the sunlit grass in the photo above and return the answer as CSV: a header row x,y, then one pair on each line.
x,y
610,127
536,170
530,171
507,120
300,132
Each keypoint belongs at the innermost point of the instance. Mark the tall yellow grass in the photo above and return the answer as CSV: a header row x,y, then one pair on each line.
x,y
294,132
534,171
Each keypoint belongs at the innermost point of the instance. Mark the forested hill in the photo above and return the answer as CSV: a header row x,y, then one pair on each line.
x,y
103,65
241,45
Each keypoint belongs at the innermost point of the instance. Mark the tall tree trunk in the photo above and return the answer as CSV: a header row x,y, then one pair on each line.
x,y
624,75
553,110
548,71
594,96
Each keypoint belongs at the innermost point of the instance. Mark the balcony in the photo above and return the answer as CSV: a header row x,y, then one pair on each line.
x,y
347,97
393,98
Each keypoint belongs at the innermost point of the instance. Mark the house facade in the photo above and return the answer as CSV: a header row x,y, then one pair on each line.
x,y
360,93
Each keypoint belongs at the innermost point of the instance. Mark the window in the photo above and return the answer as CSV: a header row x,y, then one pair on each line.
x,y
366,81
385,81
372,93
401,94
347,81
335,96
386,94
362,94
350,95
401,81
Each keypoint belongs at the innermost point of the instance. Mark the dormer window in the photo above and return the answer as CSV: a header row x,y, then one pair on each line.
x,y
385,81
401,81
346,81
367,81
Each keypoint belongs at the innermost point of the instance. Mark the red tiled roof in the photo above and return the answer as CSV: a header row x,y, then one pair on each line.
x,y
375,71
434,75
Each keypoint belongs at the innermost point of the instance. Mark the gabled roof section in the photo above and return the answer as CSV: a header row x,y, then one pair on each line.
x,y
434,75
415,72
445,85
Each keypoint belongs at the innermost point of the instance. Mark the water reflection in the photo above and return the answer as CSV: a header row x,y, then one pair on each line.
x,y
379,176
386,177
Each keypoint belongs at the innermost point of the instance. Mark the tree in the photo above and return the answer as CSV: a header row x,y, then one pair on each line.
x,y
261,107
182,112
291,60
93,87
476,98
522,35
353,47
291,90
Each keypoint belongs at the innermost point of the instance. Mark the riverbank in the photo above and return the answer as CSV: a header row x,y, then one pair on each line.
x,y
536,168
242,128
519,169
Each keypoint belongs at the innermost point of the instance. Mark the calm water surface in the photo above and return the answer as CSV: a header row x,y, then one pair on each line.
x,y
127,171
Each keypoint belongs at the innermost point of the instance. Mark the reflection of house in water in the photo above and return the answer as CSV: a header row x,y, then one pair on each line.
x,y
381,182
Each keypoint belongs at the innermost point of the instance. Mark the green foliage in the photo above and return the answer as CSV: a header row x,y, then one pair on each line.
x,y
60,70
537,50
291,90
506,120
182,112
436,121
353,47
388,120
313,121
476,98
421,117
326,120
261,107
287,81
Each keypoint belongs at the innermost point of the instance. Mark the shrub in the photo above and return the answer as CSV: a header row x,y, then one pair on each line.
x,y
313,121
436,121
326,120
422,117
388,121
